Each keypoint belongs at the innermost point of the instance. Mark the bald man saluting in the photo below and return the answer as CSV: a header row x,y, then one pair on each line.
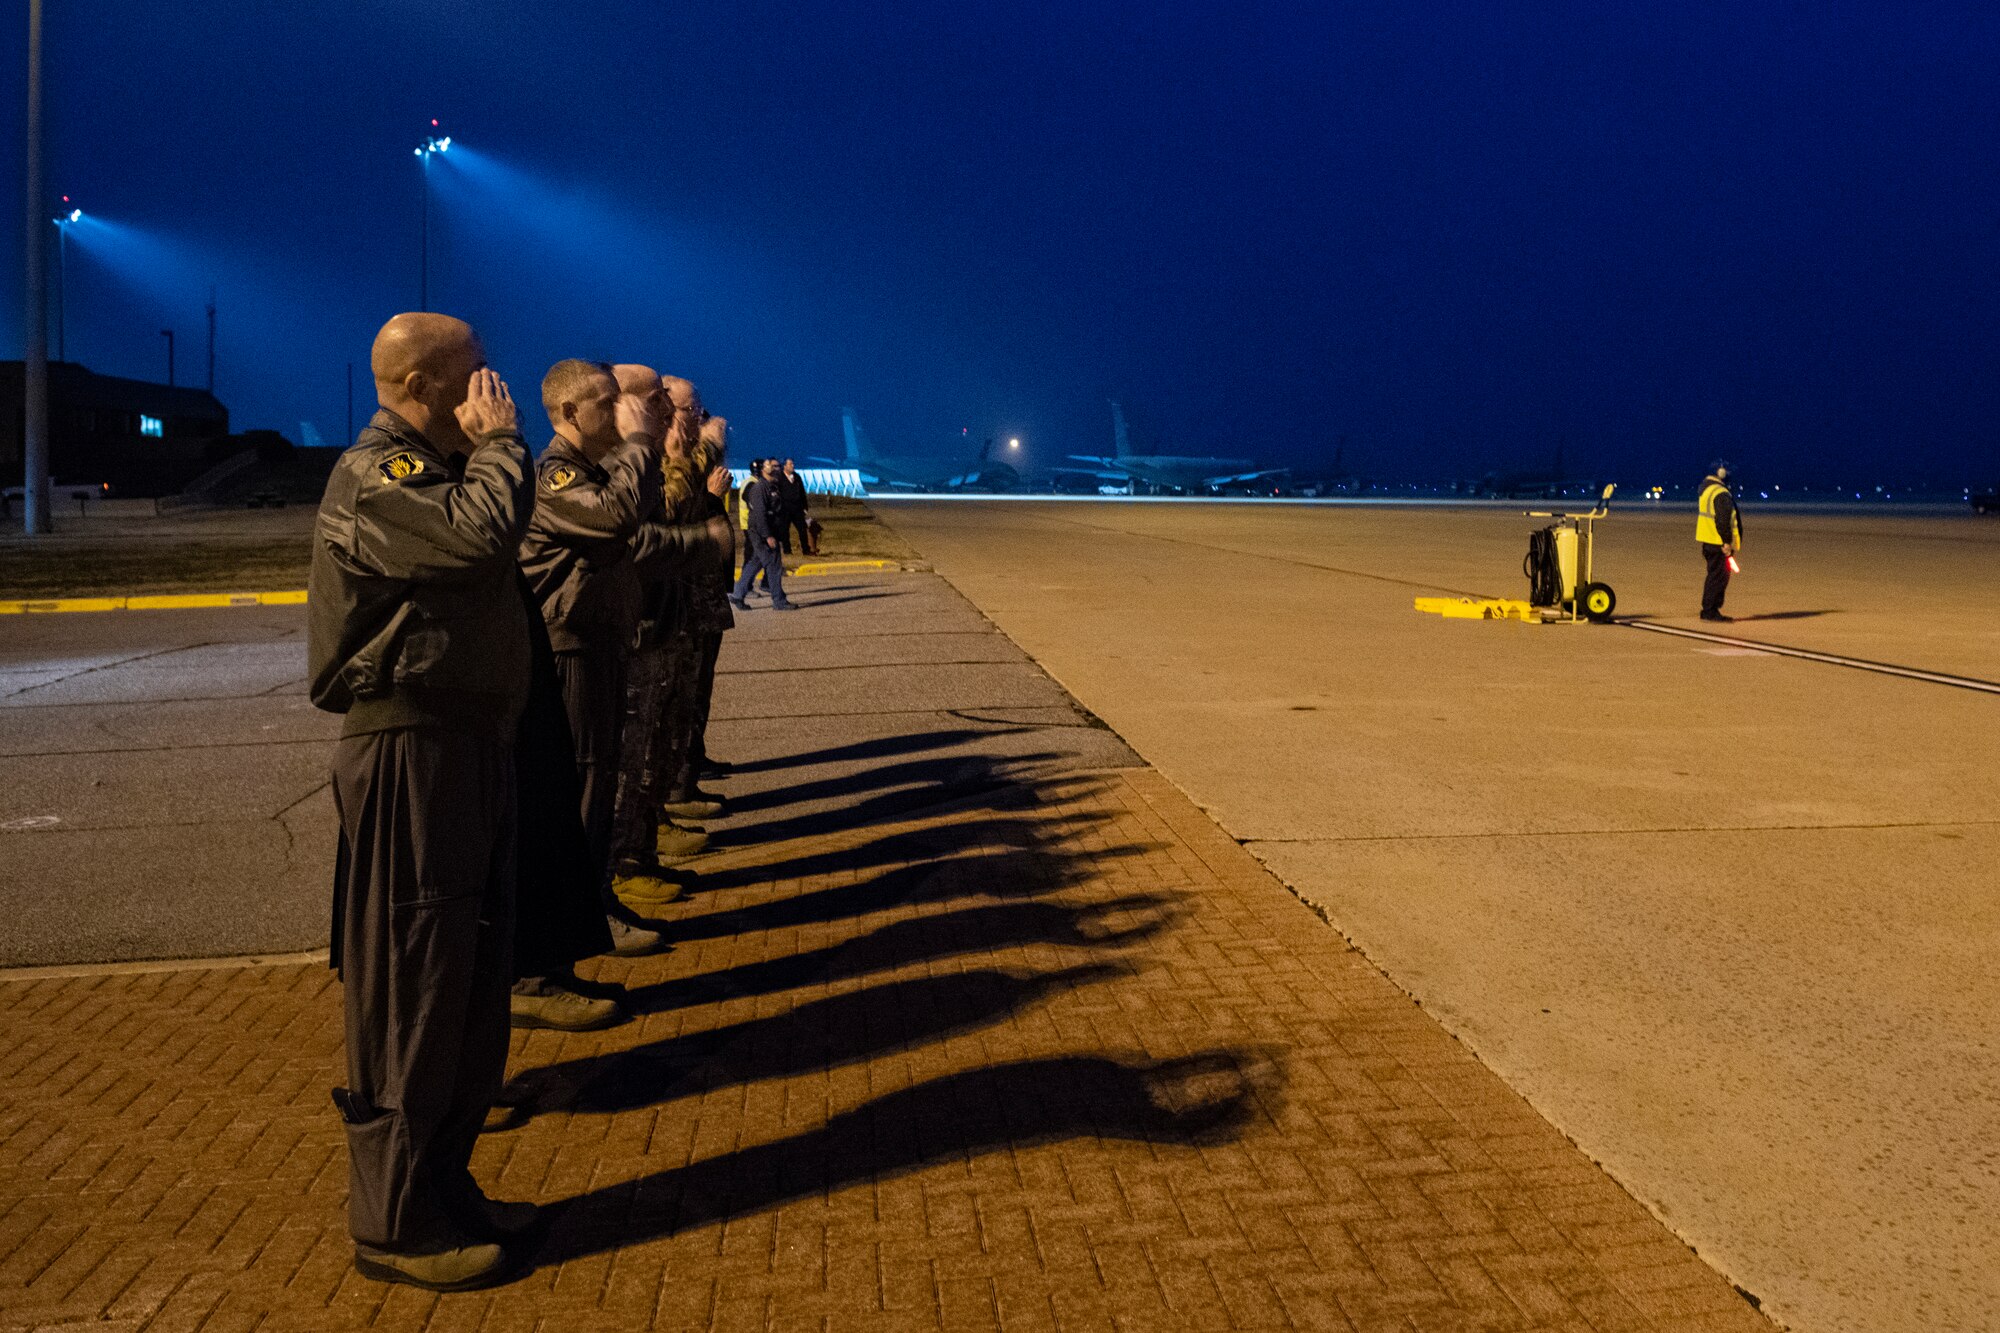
x,y
418,635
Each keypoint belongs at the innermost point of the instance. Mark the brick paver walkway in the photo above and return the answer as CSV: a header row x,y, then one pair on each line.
x,y
1060,1056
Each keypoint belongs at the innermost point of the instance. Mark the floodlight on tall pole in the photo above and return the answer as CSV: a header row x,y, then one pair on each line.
x,y
63,221
35,321
434,143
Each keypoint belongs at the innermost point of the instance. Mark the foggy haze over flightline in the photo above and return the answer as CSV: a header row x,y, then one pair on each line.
x,y
1453,233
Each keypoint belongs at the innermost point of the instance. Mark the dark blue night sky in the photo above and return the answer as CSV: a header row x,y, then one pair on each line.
x,y
1452,232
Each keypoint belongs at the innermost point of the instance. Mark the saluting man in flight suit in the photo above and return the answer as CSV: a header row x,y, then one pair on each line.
x,y
418,635
1718,526
593,539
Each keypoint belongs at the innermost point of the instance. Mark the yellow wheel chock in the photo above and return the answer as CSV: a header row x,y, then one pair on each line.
x,y
1480,608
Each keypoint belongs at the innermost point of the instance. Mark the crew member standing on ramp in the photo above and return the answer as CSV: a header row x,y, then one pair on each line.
x,y
1718,526
417,633
596,481
711,617
587,547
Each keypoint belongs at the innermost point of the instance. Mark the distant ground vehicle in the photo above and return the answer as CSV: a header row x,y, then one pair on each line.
x,y
1987,502
58,492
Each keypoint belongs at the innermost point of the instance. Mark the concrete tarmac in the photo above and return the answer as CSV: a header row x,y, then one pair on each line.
x,y
1726,918
163,777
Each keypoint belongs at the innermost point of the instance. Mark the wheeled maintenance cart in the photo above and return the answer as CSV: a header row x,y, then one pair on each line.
x,y
1561,585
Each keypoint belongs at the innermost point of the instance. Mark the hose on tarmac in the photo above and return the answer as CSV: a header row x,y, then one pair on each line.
x,y
1542,568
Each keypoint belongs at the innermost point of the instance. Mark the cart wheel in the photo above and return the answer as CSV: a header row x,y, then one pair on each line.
x,y
1598,601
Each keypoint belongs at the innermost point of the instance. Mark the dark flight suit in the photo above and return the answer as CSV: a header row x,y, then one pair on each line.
x,y
558,913
587,549
417,633
577,556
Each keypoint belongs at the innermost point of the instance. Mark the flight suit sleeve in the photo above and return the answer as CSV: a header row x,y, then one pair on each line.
x,y
428,525
669,548
571,510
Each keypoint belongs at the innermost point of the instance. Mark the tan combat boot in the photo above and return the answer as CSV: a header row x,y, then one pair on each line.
x,y
462,1269
639,889
562,1009
633,941
675,843
698,806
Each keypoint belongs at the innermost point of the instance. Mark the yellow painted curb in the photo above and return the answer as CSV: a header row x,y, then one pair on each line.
x,y
188,601
845,566
173,601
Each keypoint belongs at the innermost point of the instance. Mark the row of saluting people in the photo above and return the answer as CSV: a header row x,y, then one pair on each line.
x,y
523,653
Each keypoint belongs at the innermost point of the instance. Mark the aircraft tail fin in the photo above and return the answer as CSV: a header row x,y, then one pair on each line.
x,y
851,430
1121,438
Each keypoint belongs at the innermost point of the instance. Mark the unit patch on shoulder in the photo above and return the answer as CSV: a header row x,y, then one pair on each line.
x,y
400,467
560,476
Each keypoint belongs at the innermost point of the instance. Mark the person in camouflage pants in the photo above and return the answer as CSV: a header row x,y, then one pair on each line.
x,y
711,614
636,834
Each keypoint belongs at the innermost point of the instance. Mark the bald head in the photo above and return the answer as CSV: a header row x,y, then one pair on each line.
x,y
635,379
643,383
422,364
417,343
686,421
683,392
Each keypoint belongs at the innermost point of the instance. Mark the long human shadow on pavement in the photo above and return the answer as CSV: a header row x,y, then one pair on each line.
x,y
957,780
1199,1099
942,773
904,845
882,747
1011,840
1111,923
1015,873
816,1035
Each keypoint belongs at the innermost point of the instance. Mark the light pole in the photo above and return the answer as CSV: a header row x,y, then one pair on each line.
x,y
432,144
35,321
62,278
168,334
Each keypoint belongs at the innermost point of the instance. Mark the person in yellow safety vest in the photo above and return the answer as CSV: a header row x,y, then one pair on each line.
x,y
1718,526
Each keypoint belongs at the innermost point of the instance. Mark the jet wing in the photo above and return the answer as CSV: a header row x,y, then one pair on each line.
x,y
1238,478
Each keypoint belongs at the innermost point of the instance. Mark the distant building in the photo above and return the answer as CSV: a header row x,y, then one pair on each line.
x,y
142,438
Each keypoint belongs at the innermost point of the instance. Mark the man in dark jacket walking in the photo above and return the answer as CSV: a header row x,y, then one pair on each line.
x,y
417,635
792,490
764,505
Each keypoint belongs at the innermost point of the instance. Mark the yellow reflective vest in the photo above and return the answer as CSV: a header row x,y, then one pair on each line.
x,y
1705,529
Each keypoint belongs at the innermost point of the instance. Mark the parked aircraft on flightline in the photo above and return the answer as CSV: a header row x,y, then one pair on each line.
x,y
1530,483
1177,473
989,472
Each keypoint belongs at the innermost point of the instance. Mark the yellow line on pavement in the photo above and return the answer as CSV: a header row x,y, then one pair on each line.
x,y
172,601
844,566
189,601
58,970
